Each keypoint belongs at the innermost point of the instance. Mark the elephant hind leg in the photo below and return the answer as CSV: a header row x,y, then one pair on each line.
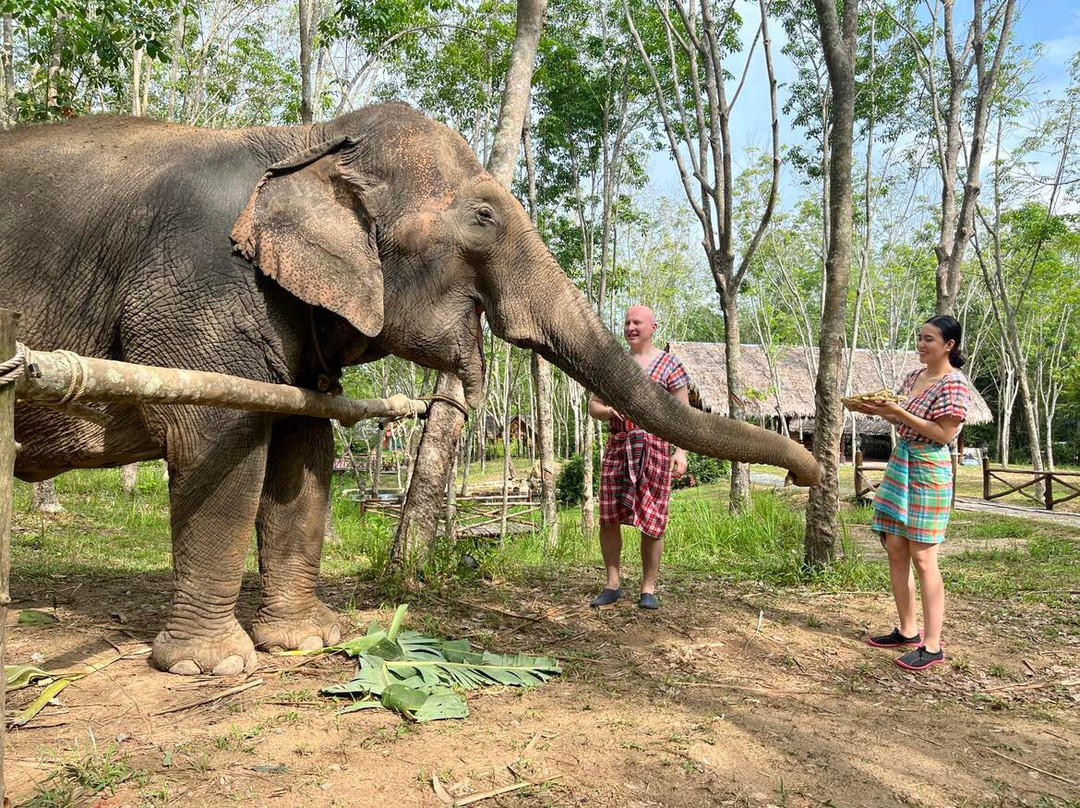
x,y
290,528
217,460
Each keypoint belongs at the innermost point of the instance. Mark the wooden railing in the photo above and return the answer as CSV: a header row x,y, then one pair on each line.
x,y
476,515
864,486
1049,481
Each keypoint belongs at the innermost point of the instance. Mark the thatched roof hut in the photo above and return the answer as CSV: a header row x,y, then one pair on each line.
x,y
780,382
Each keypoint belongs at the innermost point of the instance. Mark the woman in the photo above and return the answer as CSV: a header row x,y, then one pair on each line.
x,y
912,504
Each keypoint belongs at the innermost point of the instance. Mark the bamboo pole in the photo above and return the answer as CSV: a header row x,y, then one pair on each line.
x,y
61,378
8,320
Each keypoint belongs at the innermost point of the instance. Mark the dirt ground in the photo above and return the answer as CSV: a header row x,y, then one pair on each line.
x,y
727,696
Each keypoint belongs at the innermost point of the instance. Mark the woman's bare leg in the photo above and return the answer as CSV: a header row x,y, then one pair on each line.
x,y
925,558
903,583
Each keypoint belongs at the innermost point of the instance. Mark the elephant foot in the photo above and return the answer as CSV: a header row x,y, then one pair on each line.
x,y
305,630
225,654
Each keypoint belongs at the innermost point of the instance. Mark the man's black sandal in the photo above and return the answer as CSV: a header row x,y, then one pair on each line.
x,y
894,639
920,659
606,598
648,600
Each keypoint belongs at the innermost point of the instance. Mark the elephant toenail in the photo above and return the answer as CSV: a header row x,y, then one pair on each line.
x,y
185,667
229,666
312,643
333,637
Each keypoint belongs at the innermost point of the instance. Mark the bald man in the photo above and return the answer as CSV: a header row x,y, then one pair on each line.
x,y
637,468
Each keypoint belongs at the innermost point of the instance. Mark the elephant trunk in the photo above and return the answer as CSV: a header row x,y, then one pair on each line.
x,y
552,318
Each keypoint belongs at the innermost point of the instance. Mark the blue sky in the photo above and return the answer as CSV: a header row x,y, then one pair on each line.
x,y
1053,23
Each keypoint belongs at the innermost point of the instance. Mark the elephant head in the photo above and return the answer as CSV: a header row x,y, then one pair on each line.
x,y
390,221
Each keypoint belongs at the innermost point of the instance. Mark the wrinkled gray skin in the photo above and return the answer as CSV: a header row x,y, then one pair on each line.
x,y
375,233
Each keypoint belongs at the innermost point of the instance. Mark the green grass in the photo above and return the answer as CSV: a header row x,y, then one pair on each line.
x,y
106,532
79,776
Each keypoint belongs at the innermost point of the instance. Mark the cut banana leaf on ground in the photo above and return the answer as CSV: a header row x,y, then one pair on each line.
x,y
16,677
420,677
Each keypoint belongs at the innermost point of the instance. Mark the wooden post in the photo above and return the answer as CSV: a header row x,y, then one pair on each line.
x,y
986,477
859,482
957,457
8,320
1048,491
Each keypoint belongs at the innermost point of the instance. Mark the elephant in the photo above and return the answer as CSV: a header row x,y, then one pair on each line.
x,y
282,254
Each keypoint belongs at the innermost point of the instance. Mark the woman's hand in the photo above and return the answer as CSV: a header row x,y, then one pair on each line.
x,y
889,410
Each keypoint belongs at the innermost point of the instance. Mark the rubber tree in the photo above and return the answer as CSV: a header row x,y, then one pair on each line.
x,y
419,523
838,41
695,109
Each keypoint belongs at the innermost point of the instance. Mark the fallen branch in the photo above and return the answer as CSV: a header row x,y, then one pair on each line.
x,y
1034,685
487,795
533,618
1029,766
232,691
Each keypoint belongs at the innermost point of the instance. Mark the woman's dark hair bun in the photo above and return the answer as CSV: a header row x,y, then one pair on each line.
x,y
951,330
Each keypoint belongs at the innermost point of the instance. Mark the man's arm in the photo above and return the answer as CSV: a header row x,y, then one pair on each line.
x,y
601,411
678,460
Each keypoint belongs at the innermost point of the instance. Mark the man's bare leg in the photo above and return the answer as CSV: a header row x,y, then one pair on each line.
x,y
651,550
611,550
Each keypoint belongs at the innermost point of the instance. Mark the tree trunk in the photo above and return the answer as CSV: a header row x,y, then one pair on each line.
x,y
45,499
823,503
417,530
53,76
8,323
542,375
174,64
306,108
740,472
515,100
505,505
136,82
419,516
129,476
957,226
588,517
8,113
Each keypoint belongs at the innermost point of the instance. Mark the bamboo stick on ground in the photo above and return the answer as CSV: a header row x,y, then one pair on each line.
x,y
61,378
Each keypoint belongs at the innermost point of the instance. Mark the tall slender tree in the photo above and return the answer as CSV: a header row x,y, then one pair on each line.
x,y
686,66
419,518
838,38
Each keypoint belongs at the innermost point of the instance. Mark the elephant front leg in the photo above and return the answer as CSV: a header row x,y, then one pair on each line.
x,y
216,464
290,527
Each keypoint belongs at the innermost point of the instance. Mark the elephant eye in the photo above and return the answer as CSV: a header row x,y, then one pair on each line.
x,y
485,215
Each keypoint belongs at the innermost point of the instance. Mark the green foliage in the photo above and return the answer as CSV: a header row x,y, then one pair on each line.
x,y
702,470
570,482
92,42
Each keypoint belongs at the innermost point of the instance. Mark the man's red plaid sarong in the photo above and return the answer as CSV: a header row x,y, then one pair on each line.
x,y
635,482
635,472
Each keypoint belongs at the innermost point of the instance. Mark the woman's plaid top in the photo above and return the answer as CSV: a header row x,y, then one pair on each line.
x,y
947,397
635,472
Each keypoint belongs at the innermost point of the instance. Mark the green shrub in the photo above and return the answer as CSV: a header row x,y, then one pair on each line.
x,y
569,485
702,470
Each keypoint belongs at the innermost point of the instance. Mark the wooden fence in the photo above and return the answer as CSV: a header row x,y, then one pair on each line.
x,y
477,515
1050,483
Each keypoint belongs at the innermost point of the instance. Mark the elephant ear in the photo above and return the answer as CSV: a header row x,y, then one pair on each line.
x,y
313,232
